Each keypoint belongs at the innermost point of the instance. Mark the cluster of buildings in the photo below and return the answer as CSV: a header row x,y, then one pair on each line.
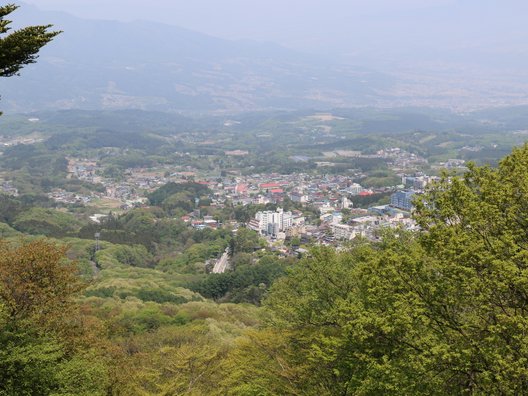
x,y
454,164
259,189
397,158
412,185
314,189
66,197
331,195
129,189
400,159
8,141
332,228
195,220
335,228
370,225
7,188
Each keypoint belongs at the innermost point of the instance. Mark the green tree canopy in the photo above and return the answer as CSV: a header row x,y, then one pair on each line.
x,y
43,350
20,47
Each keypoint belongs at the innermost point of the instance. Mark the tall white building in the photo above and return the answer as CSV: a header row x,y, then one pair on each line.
x,y
271,223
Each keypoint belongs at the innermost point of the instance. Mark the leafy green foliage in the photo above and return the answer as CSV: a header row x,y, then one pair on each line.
x,y
246,241
7,232
135,256
139,226
381,179
187,191
34,280
364,201
42,348
48,222
186,358
27,362
248,283
20,48
192,260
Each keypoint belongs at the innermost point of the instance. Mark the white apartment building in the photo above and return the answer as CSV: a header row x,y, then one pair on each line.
x,y
271,223
343,231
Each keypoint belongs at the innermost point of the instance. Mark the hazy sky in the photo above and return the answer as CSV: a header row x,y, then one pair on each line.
x,y
285,21
431,43
343,27
230,15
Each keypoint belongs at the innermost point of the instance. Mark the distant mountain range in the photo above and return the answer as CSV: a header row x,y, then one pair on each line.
x,y
150,66
109,65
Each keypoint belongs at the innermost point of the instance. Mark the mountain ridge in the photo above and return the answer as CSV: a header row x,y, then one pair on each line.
x,y
97,64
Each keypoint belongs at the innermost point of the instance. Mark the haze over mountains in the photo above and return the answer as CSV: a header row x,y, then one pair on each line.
x,y
152,66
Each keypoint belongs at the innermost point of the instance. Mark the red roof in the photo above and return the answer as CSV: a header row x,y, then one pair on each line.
x,y
277,191
241,188
269,185
365,193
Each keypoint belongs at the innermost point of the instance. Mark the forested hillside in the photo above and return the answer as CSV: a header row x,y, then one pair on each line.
x,y
360,251
438,312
